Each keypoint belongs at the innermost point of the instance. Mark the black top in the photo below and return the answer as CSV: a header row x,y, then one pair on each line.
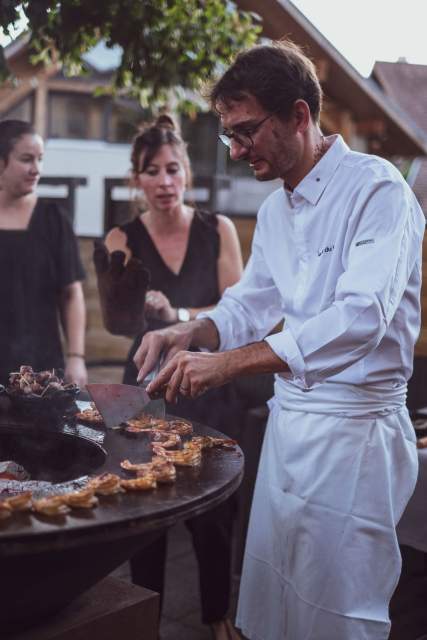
x,y
196,285
35,265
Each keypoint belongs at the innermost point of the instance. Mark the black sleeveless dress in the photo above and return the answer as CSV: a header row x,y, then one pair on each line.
x,y
196,285
35,265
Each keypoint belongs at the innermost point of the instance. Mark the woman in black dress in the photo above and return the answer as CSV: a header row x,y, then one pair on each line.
x,y
40,266
192,256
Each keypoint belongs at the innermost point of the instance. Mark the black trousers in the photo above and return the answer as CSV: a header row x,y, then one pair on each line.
x,y
212,535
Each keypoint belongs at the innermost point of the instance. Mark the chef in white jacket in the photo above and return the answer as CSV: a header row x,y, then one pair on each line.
x,y
336,255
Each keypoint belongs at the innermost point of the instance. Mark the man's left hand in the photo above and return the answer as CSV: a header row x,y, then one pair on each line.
x,y
191,374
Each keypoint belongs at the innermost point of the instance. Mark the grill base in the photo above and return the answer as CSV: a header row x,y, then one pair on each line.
x,y
110,610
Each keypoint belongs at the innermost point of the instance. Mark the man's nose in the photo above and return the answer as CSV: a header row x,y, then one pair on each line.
x,y
237,150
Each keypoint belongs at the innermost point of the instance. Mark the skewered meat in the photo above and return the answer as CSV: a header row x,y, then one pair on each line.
x,y
39,383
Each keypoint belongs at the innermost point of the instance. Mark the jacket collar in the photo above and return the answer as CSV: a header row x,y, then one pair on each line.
x,y
315,182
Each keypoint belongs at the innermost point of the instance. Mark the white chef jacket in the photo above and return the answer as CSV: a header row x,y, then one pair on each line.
x,y
339,259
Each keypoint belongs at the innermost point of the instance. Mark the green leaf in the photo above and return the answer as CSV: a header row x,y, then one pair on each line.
x,y
170,47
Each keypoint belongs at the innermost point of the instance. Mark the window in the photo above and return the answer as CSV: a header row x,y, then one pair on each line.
x,y
201,134
124,118
75,116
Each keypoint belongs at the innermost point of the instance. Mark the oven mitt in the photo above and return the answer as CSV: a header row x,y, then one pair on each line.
x,y
122,290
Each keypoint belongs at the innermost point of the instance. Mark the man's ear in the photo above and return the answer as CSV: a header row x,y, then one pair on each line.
x,y
301,112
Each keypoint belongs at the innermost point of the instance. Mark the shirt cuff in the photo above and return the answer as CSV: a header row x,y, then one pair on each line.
x,y
285,347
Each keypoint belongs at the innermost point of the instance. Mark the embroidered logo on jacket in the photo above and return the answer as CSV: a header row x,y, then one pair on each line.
x,y
325,250
362,242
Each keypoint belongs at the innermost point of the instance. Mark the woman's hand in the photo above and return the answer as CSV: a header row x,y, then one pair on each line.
x,y
158,306
75,371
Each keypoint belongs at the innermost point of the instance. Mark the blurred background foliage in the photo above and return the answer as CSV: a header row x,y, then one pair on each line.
x,y
169,48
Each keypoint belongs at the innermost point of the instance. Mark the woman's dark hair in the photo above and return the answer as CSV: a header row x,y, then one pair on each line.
x,y
162,131
276,75
10,132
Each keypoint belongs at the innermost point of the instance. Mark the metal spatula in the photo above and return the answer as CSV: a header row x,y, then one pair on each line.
x,y
120,402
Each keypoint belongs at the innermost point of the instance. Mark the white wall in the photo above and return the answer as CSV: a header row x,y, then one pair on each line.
x,y
91,160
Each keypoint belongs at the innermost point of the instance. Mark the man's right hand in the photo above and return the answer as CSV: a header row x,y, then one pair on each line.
x,y
158,347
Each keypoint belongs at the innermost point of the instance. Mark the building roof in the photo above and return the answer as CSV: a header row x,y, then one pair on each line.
x,y
407,85
341,82
417,179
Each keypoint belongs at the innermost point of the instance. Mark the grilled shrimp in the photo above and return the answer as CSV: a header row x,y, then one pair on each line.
x,y
52,506
163,470
106,484
20,502
190,456
207,442
83,499
5,510
141,483
167,439
181,427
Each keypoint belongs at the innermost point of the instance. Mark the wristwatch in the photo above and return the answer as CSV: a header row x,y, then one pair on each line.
x,y
183,314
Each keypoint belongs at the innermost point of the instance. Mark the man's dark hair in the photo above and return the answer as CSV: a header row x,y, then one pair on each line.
x,y
276,75
10,132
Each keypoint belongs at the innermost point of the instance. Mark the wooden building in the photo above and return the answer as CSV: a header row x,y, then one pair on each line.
x,y
406,85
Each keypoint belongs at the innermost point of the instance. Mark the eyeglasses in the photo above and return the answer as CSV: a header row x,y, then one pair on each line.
x,y
244,137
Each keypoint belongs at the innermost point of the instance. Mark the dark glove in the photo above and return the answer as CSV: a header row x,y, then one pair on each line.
x,y
122,290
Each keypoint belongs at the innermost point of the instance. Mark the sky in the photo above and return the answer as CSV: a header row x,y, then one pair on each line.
x,y
367,30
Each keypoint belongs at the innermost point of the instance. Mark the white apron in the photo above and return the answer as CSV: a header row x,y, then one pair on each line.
x,y
412,528
338,465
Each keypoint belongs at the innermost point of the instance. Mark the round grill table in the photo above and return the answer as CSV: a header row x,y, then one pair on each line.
x,y
48,561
